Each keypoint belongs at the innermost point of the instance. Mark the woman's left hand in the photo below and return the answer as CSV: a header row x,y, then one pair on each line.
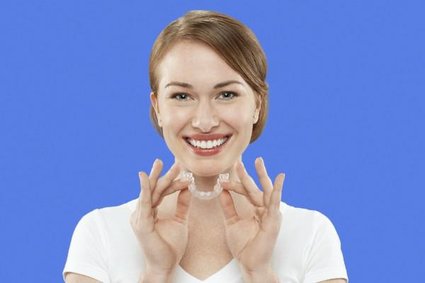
x,y
251,240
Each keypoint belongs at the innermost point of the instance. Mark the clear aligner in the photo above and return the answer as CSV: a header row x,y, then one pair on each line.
x,y
202,194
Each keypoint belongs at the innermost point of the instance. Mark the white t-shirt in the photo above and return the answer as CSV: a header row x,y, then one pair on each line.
x,y
105,248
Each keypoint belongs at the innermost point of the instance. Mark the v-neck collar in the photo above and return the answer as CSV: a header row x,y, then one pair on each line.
x,y
228,273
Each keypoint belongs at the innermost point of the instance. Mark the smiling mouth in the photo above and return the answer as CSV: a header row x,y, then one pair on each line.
x,y
207,144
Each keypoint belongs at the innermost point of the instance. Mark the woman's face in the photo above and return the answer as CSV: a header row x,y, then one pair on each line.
x,y
205,109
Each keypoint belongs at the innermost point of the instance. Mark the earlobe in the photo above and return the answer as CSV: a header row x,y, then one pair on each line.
x,y
255,116
154,103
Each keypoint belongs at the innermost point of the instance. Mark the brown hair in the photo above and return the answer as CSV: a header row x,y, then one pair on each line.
x,y
232,40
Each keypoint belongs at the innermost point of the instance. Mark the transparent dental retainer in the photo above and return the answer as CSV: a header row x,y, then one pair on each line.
x,y
202,194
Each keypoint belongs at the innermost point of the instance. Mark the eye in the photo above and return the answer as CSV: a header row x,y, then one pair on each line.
x,y
227,95
180,96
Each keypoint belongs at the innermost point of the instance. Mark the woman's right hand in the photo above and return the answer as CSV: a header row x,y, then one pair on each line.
x,y
163,241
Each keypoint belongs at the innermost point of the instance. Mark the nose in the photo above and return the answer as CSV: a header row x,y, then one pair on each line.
x,y
205,117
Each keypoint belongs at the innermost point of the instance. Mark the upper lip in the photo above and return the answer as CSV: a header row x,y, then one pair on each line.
x,y
207,137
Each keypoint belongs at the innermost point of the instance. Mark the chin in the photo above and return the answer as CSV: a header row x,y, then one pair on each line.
x,y
207,169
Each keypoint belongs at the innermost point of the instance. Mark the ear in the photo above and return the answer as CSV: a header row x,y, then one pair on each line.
x,y
256,115
154,103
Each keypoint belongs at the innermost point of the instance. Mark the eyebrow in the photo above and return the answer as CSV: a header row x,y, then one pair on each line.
x,y
186,85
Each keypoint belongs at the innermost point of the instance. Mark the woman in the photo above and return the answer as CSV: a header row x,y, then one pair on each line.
x,y
205,219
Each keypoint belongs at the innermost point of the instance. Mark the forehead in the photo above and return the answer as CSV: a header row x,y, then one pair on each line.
x,y
195,63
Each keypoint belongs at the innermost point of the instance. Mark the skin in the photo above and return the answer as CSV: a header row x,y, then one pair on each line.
x,y
204,97
196,98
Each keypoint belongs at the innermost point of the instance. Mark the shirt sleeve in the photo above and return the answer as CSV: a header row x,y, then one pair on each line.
x,y
325,260
87,251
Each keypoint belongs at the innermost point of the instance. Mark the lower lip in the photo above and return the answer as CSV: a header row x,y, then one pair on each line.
x,y
208,152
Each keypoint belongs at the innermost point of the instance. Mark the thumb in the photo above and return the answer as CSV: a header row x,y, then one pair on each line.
x,y
183,204
228,205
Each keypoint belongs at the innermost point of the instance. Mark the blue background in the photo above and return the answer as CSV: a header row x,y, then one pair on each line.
x,y
346,123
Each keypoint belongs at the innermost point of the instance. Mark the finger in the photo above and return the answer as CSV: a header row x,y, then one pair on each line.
x,y
145,201
264,179
229,209
276,195
174,187
255,196
141,219
183,204
165,181
234,186
248,183
155,172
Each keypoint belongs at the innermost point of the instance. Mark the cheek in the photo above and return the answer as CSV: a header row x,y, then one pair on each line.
x,y
173,120
238,117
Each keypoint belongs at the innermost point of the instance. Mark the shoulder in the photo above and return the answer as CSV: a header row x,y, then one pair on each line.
x,y
303,218
98,238
98,218
308,247
306,228
122,210
112,211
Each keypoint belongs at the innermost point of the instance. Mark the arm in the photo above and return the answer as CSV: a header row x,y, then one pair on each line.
x,y
78,278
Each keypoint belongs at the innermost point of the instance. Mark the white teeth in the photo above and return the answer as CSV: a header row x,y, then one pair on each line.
x,y
207,144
